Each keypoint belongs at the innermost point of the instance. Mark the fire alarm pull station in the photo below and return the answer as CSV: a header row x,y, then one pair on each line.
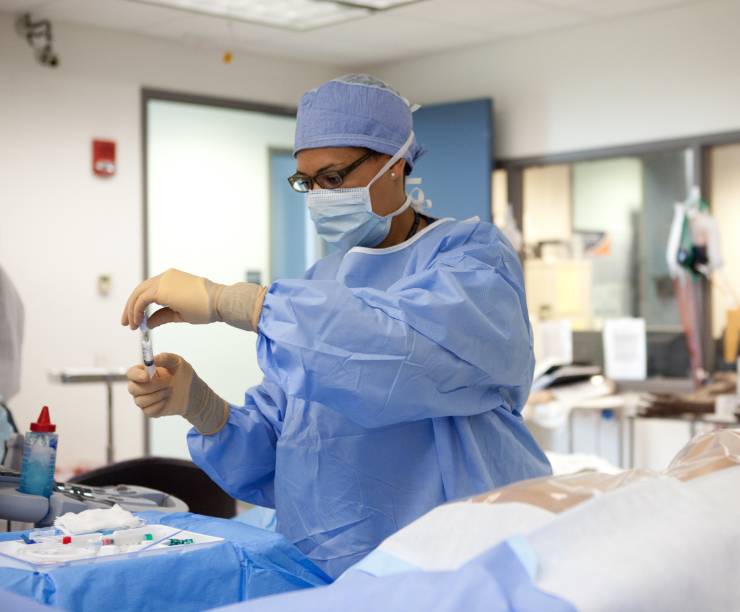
x,y
104,157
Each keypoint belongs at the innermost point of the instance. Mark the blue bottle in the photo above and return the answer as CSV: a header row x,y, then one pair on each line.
x,y
39,457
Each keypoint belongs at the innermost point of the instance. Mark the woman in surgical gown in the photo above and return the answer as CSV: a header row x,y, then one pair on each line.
x,y
394,371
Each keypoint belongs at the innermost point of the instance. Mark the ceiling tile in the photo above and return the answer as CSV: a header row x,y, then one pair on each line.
x,y
606,8
382,37
22,6
497,17
114,14
204,27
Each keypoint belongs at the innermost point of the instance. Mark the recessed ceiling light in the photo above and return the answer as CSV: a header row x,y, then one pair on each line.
x,y
292,14
375,4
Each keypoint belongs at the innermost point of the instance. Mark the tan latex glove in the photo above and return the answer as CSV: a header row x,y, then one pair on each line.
x,y
176,389
193,299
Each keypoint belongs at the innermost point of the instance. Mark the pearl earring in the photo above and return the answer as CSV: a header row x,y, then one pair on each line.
x,y
393,175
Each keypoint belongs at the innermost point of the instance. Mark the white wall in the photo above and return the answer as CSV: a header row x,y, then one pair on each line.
x,y
60,227
642,77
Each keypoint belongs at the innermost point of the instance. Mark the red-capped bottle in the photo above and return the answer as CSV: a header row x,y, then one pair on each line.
x,y
39,457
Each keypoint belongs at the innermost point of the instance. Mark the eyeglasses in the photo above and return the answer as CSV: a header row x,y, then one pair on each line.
x,y
331,179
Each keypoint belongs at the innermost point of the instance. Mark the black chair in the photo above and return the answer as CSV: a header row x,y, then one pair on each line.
x,y
177,477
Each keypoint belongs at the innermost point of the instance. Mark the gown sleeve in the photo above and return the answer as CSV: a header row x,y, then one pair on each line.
x,y
240,457
452,339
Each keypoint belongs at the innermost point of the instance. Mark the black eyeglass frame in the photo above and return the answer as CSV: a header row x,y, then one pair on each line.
x,y
298,178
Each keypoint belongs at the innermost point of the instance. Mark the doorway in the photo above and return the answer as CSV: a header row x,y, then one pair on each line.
x,y
207,211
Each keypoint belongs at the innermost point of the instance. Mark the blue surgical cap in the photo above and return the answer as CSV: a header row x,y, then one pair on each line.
x,y
355,110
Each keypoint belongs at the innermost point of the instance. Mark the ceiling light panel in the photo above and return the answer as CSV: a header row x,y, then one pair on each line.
x,y
376,4
291,14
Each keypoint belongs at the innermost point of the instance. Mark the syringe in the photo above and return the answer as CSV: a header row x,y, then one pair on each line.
x,y
147,352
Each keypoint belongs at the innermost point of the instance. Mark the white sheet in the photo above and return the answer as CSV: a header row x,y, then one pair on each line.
x,y
452,534
655,545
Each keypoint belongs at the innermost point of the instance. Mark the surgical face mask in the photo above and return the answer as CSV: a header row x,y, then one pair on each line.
x,y
344,217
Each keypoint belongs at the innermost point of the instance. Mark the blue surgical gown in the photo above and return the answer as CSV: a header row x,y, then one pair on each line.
x,y
394,380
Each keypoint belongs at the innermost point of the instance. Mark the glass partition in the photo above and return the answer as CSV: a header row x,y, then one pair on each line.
x,y
598,231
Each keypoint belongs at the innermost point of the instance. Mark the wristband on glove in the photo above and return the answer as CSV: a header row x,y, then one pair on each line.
x,y
238,305
206,411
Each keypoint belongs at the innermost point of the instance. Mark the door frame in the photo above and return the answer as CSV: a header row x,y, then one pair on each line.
x,y
270,213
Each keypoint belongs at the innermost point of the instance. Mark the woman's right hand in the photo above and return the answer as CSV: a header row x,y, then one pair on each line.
x,y
184,296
